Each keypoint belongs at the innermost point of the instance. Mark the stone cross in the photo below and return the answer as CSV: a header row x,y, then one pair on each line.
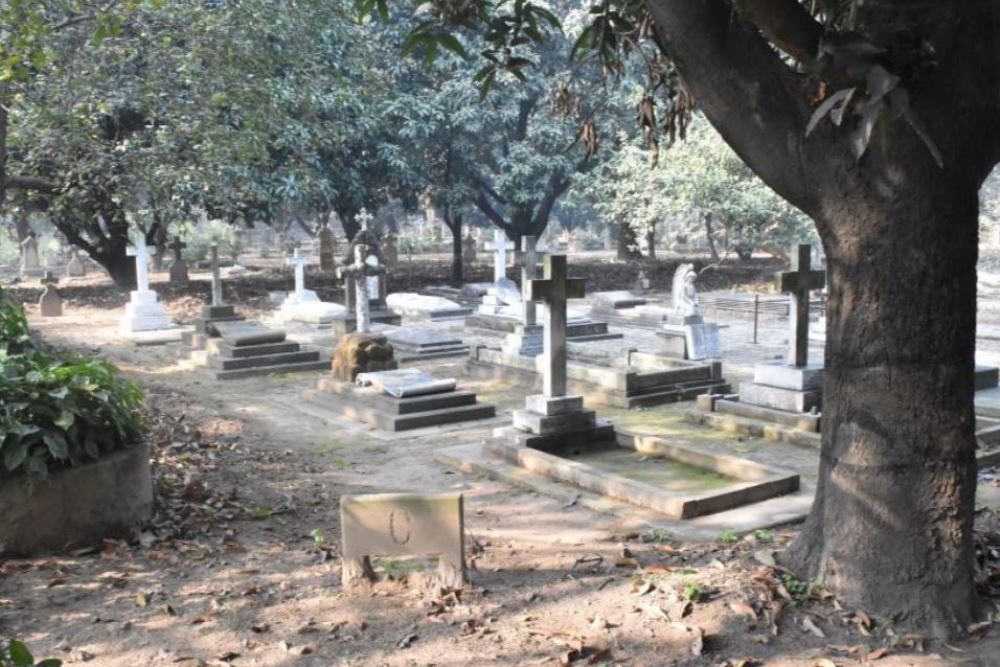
x,y
499,246
798,283
141,254
555,289
216,277
363,218
359,272
529,272
177,246
299,262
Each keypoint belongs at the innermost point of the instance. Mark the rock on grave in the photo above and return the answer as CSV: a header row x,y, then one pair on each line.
x,y
402,524
362,353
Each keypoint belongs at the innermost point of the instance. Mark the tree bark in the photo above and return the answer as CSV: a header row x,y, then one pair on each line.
x,y
455,225
710,235
651,242
892,525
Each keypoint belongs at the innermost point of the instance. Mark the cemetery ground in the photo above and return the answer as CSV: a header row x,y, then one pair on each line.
x,y
241,565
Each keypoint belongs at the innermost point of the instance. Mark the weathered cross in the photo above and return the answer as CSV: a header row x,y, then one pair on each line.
x,y
299,262
363,218
177,246
529,271
216,277
50,279
359,272
499,246
798,283
141,254
555,289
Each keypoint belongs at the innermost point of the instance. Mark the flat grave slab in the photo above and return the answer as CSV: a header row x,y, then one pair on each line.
x,y
238,334
411,343
247,349
426,307
375,407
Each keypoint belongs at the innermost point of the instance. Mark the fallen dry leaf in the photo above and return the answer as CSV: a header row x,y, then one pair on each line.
x,y
743,608
876,654
808,624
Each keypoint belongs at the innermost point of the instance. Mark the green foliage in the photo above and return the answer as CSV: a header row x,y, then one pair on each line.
x,y
657,535
729,536
13,326
16,654
693,592
62,411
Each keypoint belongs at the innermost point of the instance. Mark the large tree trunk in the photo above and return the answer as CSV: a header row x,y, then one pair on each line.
x,y
651,242
627,245
892,525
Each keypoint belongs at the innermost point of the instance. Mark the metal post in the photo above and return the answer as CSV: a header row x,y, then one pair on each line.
x,y
756,314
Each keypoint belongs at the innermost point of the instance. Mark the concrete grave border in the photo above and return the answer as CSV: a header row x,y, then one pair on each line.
x,y
756,481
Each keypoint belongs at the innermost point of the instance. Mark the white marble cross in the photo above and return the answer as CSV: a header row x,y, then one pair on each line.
x,y
499,246
299,262
359,271
141,254
798,283
554,290
363,218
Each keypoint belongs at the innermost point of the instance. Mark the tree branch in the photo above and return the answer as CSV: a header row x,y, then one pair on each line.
x,y
787,24
483,204
31,183
744,89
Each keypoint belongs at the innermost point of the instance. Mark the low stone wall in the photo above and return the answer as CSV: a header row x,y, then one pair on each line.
x,y
78,507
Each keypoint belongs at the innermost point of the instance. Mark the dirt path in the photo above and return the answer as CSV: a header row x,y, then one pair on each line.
x,y
243,569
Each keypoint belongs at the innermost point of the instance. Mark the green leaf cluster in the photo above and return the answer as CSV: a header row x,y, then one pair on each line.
x,y
62,410
16,654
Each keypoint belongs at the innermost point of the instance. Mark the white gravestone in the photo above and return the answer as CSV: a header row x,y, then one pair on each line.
x,y
686,334
303,305
143,312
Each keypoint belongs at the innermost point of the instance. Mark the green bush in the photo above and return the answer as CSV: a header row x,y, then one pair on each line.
x,y
13,325
58,411
16,654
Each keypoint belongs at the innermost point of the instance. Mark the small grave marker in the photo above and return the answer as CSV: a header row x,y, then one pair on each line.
x,y
402,524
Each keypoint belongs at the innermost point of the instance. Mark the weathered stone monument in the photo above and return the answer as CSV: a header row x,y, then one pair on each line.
x,y
526,340
469,249
50,303
790,393
143,312
391,253
493,302
686,335
554,418
397,524
75,268
361,351
217,311
374,277
179,268
246,349
31,266
303,305
327,249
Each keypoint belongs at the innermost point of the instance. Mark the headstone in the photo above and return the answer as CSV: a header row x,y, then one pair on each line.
x,y
50,304
469,249
499,246
402,525
303,305
30,264
798,283
686,335
178,268
406,382
361,271
555,290
391,253
642,282
327,249
76,268
144,312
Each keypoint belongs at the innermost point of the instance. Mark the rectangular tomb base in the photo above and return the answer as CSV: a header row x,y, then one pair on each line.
x,y
411,344
785,376
577,328
389,413
342,326
249,349
779,398
675,480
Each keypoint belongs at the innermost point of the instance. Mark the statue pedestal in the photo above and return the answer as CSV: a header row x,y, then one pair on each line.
x,y
144,312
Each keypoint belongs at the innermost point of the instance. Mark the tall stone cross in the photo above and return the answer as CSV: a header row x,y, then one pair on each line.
x,y
798,283
216,277
499,246
363,218
141,254
299,262
529,272
177,246
554,290
359,271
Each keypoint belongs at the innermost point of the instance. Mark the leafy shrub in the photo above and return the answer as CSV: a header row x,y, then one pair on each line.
x,y
62,411
16,654
13,325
